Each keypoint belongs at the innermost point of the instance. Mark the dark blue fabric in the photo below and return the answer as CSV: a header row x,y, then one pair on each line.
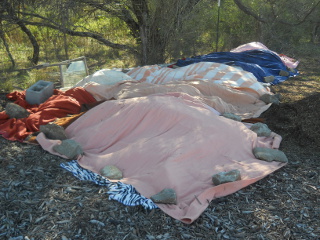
x,y
261,63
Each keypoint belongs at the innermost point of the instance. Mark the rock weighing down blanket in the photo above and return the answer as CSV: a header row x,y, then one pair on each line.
x,y
169,141
58,105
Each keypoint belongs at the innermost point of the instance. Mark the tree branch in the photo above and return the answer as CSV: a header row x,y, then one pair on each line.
x,y
5,43
36,49
123,14
71,32
246,10
303,19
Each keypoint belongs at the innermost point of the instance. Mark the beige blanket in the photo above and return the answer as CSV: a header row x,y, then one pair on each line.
x,y
242,102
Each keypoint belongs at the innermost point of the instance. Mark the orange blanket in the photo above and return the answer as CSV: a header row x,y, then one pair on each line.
x,y
59,105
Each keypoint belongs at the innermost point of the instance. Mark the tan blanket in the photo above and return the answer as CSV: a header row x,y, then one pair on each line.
x,y
242,102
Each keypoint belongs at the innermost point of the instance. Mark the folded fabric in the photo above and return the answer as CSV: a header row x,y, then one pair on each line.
x,y
58,105
169,141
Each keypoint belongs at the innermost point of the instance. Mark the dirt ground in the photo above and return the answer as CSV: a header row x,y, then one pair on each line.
x,y
40,200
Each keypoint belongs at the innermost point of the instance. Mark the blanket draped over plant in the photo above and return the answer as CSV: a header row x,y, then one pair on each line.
x,y
262,63
169,141
163,127
58,105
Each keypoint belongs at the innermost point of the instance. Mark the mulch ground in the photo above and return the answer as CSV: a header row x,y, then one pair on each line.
x,y
40,200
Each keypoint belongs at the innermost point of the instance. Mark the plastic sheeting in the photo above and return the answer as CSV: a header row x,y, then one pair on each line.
x,y
288,61
261,63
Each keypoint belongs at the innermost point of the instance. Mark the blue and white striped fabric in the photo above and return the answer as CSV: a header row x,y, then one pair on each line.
x,y
121,192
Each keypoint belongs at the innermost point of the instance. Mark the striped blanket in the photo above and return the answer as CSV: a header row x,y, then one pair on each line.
x,y
217,72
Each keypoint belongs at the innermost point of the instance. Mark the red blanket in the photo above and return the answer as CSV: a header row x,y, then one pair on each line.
x,y
58,105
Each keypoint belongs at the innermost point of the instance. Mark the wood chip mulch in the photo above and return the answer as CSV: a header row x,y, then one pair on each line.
x,y
40,200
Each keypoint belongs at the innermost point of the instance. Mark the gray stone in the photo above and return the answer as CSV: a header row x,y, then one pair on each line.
x,y
70,148
225,177
284,73
53,131
269,154
15,111
268,98
166,196
269,79
111,172
232,116
261,129
279,96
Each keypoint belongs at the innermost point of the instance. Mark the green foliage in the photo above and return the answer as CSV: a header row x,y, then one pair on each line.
x,y
14,80
283,31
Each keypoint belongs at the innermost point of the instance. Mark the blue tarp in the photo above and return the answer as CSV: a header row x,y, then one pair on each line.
x,y
262,63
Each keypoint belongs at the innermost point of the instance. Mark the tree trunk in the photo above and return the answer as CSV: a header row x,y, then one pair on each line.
x,y
141,11
12,14
144,45
153,24
4,40
156,47
66,49
153,45
33,40
315,35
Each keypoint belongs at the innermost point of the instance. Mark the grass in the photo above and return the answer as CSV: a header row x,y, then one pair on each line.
x,y
99,59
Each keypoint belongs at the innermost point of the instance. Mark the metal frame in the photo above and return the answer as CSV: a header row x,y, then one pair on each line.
x,y
83,58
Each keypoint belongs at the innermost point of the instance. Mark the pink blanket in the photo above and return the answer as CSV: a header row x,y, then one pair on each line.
x,y
169,141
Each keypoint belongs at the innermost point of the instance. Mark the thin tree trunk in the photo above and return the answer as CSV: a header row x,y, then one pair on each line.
x,y
315,37
144,45
4,40
66,49
20,23
33,40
